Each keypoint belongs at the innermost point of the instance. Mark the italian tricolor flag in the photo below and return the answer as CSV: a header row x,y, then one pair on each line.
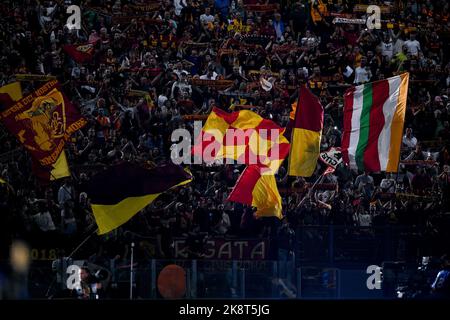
x,y
374,114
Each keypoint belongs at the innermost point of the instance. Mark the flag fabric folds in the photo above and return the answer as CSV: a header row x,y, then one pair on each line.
x,y
243,136
247,138
331,157
306,133
80,53
258,190
121,191
43,121
59,169
9,94
374,114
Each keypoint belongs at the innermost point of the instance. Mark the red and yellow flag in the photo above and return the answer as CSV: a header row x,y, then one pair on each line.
x,y
59,169
243,136
306,133
258,190
10,93
80,53
43,121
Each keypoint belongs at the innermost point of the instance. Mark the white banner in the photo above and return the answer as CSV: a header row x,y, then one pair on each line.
x,y
332,157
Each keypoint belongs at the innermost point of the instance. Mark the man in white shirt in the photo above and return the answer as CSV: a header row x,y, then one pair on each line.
x,y
362,73
364,219
179,5
182,85
179,69
364,184
65,193
387,185
162,98
409,141
210,74
44,221
413,45
207,17
224,224
387,47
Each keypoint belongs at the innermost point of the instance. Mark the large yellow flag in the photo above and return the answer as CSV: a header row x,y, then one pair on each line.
x,y
258,190
13,90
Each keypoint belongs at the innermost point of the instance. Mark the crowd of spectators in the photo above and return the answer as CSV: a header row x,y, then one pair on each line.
x,y
267,49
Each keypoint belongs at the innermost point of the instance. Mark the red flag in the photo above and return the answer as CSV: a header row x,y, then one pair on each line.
x,y
328,170
43,121
258,190
80,53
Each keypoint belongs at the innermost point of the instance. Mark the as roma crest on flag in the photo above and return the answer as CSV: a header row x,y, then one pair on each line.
x,y
43,121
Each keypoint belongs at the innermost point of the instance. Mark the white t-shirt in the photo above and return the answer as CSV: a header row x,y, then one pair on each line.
x,y
362,75
205,77
365,220
309,41
413,47
387,49
161,99
206,18
183,87
388,185
398,45
409,142
179,72
225,223
44,221
179,5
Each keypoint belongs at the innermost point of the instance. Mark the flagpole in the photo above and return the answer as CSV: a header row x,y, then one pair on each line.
x,y
310,190
82,243
131,271
70,256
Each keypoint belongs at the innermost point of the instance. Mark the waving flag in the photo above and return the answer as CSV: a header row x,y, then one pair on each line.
x,y
243,136
121,191
80,53
250,139
43,121
59,169
258,190
374,114
332,157
306,133
9,94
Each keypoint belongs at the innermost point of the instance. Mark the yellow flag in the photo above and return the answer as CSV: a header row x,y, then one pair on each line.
x,y
14,90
